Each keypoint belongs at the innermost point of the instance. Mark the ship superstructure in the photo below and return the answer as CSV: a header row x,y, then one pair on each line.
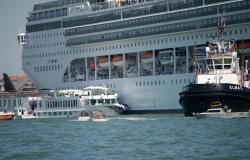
x,y
143,49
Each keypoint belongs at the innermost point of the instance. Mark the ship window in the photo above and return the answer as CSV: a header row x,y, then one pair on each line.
x,y
52,14
228,60
218,61
218,67
227,66
240,31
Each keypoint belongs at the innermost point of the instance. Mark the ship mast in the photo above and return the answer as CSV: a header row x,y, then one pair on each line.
x,y
221,29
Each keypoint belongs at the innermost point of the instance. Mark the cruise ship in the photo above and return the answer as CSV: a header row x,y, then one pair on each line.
x,y
142,49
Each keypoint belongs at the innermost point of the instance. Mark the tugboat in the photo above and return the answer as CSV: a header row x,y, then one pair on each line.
x,y
221,83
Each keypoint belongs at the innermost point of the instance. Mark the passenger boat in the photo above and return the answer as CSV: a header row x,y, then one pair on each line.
x,y
220,82
71,104
221,113
7,115
98,98
51,106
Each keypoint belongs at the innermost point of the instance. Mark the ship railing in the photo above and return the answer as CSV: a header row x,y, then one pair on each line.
x,y
18,94
54,4
121,3
152,6
220,71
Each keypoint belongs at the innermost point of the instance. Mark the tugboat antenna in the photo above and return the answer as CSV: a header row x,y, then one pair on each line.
x,y
221,28
195,61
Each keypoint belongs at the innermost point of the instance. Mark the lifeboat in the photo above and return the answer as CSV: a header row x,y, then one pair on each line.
x,y
4,116
117,60
147,57
103,61
166,57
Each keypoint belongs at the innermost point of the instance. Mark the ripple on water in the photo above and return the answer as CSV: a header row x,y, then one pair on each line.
x,y
126,137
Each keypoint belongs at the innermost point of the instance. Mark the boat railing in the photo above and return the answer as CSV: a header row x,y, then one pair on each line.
x,y
18,94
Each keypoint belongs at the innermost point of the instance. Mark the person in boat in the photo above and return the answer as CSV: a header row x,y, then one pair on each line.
x,y
99,115
85,114
226,109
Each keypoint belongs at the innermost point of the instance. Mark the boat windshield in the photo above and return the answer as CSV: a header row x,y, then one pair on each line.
x,y
219,63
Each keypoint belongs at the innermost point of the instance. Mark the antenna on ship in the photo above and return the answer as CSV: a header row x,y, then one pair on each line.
x,y
221,27
195,61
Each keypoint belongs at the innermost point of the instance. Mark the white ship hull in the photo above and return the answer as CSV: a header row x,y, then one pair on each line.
x,y
52,61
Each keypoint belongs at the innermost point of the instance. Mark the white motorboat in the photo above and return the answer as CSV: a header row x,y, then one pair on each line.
x,y
98,116
221,113
98,98
85,116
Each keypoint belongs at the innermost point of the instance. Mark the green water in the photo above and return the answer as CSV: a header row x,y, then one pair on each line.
x,y
131,137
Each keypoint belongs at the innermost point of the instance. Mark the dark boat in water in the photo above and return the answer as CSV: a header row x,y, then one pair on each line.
x,y
220,83
197,98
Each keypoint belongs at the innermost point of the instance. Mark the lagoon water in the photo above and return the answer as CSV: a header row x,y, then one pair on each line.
x,y
139,137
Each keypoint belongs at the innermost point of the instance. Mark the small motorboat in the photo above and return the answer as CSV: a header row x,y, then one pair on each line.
x,y
221,113
29,116
98,116
85,116
4,116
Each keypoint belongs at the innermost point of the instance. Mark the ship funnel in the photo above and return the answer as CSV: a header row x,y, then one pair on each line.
x,y
22,39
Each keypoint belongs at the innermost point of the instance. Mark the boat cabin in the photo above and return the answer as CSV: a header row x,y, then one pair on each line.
x,y
222,65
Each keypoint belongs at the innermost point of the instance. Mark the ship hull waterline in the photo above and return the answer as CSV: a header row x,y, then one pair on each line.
x,y
201,100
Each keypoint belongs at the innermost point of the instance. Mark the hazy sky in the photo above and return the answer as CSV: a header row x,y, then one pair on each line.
x,y
13,15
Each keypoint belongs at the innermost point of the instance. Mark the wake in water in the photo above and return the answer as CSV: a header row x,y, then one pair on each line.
x,y
103,120
120,118
136,118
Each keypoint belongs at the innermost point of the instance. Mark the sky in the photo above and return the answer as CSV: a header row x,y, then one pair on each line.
x,y
13,15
